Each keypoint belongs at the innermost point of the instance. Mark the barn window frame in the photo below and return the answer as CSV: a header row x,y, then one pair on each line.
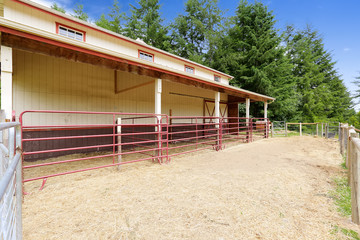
x,y
70,32
146,56
189,69
217,78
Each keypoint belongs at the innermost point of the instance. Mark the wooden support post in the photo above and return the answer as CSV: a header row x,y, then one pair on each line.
x,y
119,142
351,152
322,129
317,129
265,109
272,129
6,82
158,91
286,129
217,120
346,146
300,129
247,107
265,118
326,130
217,104
354,157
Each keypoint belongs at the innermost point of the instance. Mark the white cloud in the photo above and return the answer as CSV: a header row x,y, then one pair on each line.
x,y
46,3
66,4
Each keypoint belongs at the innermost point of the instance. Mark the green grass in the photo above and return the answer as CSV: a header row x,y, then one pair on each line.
x,y
350,234
342,196
292,133
343,164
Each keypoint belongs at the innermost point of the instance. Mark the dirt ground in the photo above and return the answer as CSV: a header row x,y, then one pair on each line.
x,y
270,189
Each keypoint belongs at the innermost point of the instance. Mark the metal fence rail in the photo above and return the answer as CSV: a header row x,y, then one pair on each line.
x,y
64,142
11,181
327,130
117,138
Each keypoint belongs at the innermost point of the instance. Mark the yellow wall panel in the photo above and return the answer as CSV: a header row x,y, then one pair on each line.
x,y
41,20
48,83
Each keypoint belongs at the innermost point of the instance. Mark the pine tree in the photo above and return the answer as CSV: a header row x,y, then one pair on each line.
x,y
357,91
196,33
79,13
116,19
146,24
323,94
253,53
58,8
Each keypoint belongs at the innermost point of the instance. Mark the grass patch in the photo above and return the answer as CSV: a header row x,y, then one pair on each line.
x,y
350,234
342,196
343,164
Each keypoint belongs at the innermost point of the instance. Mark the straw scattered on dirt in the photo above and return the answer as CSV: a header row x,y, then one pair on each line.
x,y
271,189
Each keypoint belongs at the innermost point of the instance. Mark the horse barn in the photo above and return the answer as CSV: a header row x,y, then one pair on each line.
x,y
89,98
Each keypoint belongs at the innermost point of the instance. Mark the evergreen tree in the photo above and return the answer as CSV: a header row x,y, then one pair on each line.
x,y
323,94
196,33
116,19
79,13
253,53
57,8
357,91
145,23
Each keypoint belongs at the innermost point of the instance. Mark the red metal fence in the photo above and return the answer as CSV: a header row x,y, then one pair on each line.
x,y
92,140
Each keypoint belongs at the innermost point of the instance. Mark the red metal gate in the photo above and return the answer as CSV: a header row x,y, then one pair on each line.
x,y
82,141
138,137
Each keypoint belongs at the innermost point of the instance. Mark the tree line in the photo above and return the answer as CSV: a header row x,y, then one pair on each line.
x,y
289,64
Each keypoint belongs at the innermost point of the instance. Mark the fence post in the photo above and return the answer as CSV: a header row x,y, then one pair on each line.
x,y
350,152
322,129
317,129
346,146
339,130
119,142
300,129
159,138
251,130
286,129
341,136
327,130
354,182
272,129
19,185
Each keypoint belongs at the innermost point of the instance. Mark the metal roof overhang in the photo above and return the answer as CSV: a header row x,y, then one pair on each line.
x,y
31,39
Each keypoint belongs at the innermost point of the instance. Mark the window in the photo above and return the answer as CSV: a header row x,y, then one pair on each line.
x,y
70,32
189,69
217,78
146,56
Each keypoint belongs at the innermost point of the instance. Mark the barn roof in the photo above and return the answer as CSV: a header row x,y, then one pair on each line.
x,y
29,32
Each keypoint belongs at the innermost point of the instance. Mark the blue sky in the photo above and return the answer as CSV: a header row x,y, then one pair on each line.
x,y
337,21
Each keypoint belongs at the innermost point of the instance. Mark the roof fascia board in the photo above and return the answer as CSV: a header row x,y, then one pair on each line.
x,y
54,39
104,31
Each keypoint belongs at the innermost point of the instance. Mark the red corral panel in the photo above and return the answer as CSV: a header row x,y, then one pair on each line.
x,y
105,139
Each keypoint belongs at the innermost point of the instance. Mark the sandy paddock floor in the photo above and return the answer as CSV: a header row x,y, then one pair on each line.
x,y
271,189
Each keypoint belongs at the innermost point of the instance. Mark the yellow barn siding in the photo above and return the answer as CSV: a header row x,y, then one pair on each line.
x,y
34,18
48,83
190,105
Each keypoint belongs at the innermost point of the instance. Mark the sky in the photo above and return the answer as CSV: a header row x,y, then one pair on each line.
x,y
338,22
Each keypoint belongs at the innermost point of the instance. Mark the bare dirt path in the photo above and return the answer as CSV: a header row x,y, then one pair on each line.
x,y
271,189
